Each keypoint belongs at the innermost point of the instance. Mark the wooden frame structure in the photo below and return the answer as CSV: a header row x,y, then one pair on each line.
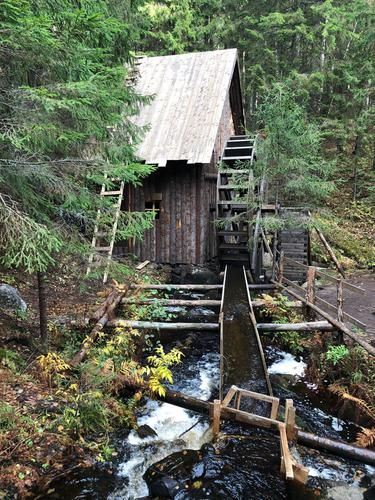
x,y
287,428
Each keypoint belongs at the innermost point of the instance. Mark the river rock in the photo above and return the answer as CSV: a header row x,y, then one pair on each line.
x,y
164,487
200,276
145,431
10,298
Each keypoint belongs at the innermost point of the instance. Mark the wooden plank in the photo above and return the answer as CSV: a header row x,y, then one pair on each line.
x,y
229,396
142,265
290,420
216,417
287,458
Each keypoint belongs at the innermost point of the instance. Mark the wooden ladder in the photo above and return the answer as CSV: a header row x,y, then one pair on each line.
x,y
100,250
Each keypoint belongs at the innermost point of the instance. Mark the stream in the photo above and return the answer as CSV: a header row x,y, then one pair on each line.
x,y
180,460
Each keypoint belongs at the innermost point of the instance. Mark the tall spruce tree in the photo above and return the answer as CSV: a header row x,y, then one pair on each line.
x,y
64,113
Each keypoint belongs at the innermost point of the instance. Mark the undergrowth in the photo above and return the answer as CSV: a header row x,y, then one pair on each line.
x,y
278,308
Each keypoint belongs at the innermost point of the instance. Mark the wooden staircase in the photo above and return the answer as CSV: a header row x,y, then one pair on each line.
x,y
295,244
234,186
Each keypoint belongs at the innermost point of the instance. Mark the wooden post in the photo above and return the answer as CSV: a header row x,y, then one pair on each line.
x,y
340,302
290,420
281,268
286,459
216,418
310,291
340,308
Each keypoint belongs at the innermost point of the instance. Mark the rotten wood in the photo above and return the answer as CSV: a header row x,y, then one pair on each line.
x,y
111,305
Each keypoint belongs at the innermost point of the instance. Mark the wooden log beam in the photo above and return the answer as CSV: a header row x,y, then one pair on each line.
x,y
296,327
169,286
112,301
339,326
173,302
196,302
308,439
159,325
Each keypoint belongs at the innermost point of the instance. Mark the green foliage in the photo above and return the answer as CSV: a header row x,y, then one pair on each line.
x,y
64,115
278,308
337,353
11,360
7,417
289,156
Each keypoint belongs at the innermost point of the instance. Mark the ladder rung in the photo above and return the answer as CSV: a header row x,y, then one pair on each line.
x,y
102,249
232,186
233,171
111,193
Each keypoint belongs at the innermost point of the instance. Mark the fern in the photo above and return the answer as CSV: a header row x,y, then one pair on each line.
x,y
343,393
366,438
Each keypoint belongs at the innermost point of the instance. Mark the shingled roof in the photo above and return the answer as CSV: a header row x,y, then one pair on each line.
x,y
189,94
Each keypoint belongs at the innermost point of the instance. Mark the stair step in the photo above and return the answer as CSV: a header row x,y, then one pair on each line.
x,y
102,249
237,158
239,142
233,246
234,258
231,187
239,137
232,202
233,171
230,152
232,233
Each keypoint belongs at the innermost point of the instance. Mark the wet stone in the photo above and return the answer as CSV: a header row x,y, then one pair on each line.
x,y
145,431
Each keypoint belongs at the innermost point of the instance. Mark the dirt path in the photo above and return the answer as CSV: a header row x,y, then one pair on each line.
x,y
360,306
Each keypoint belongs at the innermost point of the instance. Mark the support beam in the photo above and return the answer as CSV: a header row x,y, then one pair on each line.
x,y
197,302
168,286
158,325
296,327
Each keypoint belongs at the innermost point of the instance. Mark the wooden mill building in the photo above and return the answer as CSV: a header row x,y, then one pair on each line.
x,y
197,106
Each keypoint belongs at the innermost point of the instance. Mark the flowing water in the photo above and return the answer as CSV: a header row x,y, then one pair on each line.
x,y
244,463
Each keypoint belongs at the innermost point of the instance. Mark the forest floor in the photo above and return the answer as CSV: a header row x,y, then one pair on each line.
x,y
36,443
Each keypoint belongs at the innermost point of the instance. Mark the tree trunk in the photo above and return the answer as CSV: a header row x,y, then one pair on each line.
x,y
42,297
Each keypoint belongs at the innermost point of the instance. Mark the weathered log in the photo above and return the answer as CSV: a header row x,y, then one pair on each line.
x,y
304,438
196,302
103,306
169,286
296,327
172,302
339,326
158,325
86,346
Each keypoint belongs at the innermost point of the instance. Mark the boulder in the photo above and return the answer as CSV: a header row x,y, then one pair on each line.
x,y
145,431
201,276
164,487
10,298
